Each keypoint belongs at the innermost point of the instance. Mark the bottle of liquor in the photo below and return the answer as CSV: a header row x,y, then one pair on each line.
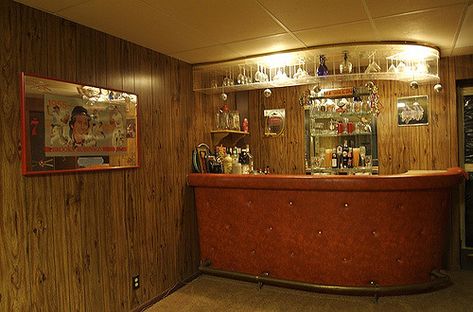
x,y
345,154
250,159
350,157
322,70
245,162
227,162
339,156
334,159
236,166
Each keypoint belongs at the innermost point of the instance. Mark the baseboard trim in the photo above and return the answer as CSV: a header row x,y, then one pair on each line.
x,y
166,293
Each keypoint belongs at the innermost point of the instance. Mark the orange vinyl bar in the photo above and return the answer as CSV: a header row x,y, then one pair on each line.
x,y
347,231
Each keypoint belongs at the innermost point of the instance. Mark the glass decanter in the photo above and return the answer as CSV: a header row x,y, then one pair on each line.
x,y
346,66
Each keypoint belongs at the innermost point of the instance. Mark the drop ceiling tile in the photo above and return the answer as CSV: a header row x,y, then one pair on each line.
x,y
51,6
465,38
351,32
222,21
207,54
385,8
139,23
300,14
435,27
265,45
461,51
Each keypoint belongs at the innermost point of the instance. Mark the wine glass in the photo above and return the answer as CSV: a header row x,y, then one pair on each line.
x,y
392,68
241,78
258,74
372,67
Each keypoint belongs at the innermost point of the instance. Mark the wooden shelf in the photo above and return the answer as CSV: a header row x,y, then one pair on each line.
x,y
227,138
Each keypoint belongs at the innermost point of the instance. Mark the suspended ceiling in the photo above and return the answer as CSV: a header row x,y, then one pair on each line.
x,y
215,30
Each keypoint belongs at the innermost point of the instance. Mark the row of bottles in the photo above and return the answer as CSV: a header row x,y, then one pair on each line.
x,y
230,120
342,159
231,160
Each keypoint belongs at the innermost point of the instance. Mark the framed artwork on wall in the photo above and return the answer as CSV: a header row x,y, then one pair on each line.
x,y
75,127
413,110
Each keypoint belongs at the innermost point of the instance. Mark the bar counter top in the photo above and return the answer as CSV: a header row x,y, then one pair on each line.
x,y
419,179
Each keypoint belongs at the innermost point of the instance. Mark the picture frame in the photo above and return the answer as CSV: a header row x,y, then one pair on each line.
x,y
71,127
413,111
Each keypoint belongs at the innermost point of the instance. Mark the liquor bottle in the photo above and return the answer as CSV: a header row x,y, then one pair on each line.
x,y
322,70
245,162
236,166
339,156
227,162
345,154
250,159
334,159
350,157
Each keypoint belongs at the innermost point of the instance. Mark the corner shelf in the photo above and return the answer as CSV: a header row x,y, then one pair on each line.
x,y
227,137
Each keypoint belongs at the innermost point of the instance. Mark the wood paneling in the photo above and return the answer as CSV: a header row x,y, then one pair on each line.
x,y
72,242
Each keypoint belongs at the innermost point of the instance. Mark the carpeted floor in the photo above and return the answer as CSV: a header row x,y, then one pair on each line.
x,y
209,293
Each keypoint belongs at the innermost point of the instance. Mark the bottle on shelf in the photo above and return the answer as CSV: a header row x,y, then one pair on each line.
x,y
227,162
339,156
334,159
236,166
250,159
244,160
350,157
322,70
345,154
244,125
346,66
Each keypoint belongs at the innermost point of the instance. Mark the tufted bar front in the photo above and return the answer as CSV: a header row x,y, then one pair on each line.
x,y
350,232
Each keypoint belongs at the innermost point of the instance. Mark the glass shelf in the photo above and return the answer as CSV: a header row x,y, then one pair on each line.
x,y
398,61
333,135
328,115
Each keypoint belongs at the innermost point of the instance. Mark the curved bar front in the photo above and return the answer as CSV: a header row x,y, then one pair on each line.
x,y
333,232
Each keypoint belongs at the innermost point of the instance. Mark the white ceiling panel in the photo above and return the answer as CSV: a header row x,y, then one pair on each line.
x,y
386,8
302,14
221,20
266,45
462,51
353,32
50,5
465,38
207,54
139,23
214,30
436,27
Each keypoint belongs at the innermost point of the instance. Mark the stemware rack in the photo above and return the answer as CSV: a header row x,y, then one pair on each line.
x,y
393,61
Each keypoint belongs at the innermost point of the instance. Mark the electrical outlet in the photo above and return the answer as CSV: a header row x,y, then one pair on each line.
x,y
135,281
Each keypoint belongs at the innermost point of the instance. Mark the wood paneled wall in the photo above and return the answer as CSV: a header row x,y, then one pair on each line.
x,y
72,242
434,146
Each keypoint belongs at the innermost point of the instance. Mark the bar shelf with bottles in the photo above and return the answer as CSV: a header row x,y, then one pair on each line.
x,y
341,130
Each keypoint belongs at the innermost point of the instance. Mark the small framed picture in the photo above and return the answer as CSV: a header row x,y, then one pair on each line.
x,y
413,110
